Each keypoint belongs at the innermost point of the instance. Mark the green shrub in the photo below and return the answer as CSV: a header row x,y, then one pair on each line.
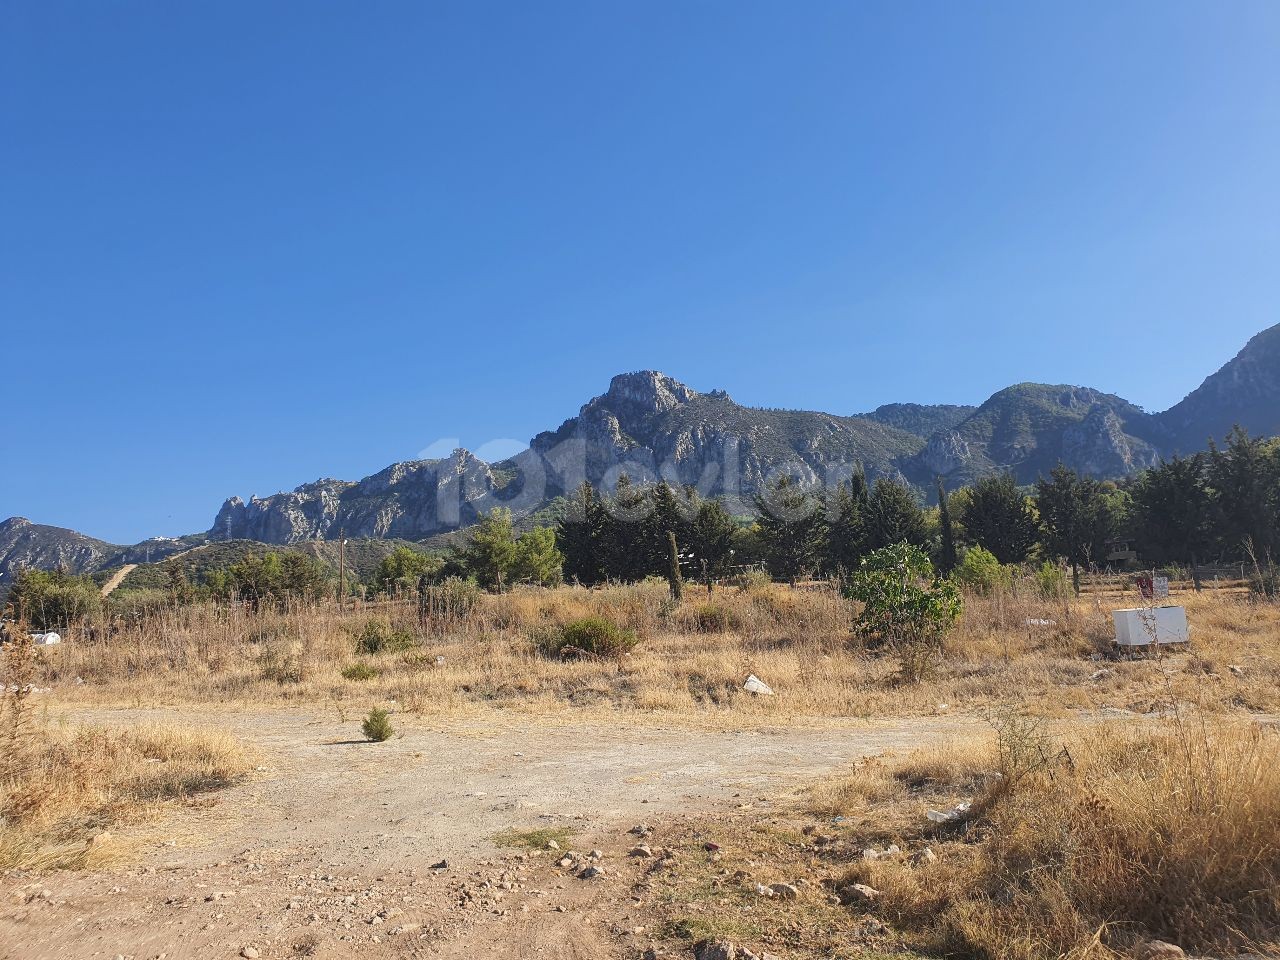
x,y
377,726
980,572
714,618
282,664
52,600
379,636
591,635
905,605
750,580
359,671
1051,581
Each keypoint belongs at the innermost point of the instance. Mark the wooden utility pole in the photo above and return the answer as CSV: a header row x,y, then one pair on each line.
x,y
342,568
673,576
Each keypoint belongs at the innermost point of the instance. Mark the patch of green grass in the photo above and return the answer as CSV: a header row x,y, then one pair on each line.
x,y
359,671
533,839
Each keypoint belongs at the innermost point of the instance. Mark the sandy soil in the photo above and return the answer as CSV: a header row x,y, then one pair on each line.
x,y
330,849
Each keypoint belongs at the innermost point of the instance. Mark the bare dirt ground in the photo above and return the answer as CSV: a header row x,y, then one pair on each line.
x,y
333,848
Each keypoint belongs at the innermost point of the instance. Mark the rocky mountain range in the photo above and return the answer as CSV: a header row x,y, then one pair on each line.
x,y
648,425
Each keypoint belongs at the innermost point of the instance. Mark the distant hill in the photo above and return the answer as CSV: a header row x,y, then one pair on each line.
x,y
648,424
921,419
361,559
1245,391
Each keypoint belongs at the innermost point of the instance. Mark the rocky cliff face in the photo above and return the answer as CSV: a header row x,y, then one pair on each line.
x,y
409,500
1029,428
649,426
27,544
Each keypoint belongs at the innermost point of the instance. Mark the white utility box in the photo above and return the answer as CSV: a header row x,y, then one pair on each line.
x,y
1141,626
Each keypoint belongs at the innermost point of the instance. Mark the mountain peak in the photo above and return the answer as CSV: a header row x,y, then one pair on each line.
x,y
647,391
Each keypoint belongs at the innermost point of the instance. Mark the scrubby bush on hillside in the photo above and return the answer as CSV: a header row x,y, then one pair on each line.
x,y
377,635
590,635
52,600
714,618
359,672
1051,581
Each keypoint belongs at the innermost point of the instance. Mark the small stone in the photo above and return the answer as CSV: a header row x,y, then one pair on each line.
x,y
859,894
922,857
643,850
100,840
552,845
784,890
764,891
250,953
591,873
711,847
1159,950
715,950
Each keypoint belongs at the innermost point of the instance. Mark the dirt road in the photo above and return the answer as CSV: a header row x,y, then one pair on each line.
x,y
117,578
331,846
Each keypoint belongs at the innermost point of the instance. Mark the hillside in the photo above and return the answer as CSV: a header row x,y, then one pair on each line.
x,y
1029,428
647,424
361,559
1245,391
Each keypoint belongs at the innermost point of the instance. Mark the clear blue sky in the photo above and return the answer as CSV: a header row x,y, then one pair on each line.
x,y
245,245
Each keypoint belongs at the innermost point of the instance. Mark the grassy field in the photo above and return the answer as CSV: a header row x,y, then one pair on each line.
x,y
690,661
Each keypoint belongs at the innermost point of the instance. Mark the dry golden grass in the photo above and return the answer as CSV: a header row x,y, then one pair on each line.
x,y
1082,841
1086,843
690,664
61,789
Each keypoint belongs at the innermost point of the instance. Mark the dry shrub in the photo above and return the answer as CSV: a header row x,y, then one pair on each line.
x,y
1131,833
76,783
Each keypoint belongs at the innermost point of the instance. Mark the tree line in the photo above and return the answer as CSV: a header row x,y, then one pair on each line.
x,y
1222,505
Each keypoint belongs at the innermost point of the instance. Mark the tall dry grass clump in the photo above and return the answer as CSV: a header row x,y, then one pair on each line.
x,y
1118,835
73,785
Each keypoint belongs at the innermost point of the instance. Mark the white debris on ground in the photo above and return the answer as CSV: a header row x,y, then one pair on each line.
x,y
757,686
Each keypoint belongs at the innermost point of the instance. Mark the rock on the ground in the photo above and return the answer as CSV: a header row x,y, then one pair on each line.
x,y
859,894
784,890
922,857
1159,950
715,950
643,850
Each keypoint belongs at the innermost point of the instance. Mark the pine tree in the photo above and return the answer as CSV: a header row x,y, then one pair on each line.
x,y
1172,512
578,537
999,518
792,529
947,551
490,552
1245,478
1079,515
846,512
893,516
